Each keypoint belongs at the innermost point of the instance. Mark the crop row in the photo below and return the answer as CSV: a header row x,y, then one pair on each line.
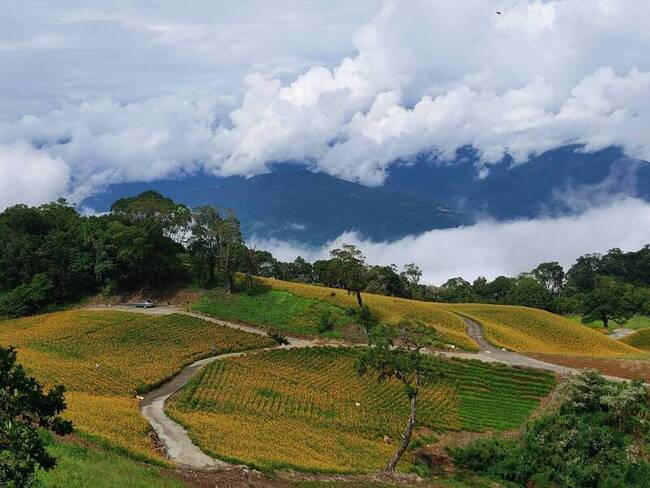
x,y
525,329
317,396
103,358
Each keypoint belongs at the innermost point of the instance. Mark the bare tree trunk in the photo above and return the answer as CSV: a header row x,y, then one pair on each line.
x,y
359,300
406,436
606,322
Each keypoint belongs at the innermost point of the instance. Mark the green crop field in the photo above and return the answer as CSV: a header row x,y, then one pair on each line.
x,y
307,409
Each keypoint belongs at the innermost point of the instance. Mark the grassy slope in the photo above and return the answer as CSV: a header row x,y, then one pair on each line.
x,y
519,329
81,467
311,411
103,358
637,322
640,339
274,309
450,327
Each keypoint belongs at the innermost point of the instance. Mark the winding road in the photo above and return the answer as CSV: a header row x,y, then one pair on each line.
x,y
174,437
489,353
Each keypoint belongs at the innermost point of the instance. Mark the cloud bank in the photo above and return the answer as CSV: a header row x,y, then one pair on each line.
x,y
132,93
491,248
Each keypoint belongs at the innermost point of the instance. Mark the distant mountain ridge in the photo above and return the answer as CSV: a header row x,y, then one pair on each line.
x,y
293,203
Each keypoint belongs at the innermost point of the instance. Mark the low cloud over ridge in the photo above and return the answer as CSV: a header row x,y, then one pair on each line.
x,y
491,248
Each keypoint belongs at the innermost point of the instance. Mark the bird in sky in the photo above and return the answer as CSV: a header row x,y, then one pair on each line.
x,y
499,12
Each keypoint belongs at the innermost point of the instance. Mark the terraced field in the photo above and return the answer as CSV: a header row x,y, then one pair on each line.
x,y
640,339
519,329
450,328
523,329
104,358
307,408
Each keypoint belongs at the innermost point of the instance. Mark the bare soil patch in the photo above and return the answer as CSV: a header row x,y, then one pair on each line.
x,y
621,368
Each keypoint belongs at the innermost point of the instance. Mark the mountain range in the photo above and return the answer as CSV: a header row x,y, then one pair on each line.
x,y
294,203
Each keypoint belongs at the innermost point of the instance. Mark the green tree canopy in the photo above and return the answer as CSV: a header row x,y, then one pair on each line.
x,y
23,407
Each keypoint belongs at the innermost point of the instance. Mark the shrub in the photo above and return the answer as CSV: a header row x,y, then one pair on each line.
x,y
598,438
278,337
325,322
27,299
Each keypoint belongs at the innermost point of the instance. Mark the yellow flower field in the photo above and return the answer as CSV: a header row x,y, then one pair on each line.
x,y
520,329
104,358
307,409
525,329
450,327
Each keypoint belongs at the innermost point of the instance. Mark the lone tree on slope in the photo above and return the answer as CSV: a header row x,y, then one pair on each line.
x,y
348,266
396,353
608,301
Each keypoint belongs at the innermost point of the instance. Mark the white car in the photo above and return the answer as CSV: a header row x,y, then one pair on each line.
x,y
144,304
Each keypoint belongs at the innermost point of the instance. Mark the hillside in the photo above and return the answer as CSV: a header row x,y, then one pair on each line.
x,y
311,411
519,329
450,327
524,329
293,203
296,204
640,339
105,358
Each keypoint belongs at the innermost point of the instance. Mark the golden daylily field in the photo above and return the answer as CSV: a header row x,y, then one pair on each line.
x,y
104,358
519,329
307,408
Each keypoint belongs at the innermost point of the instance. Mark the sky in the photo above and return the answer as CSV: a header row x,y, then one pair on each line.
x,y
97,92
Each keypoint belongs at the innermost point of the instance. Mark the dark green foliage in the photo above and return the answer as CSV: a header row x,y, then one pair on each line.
x,y
215,244
278,337
457,290
24,407
44,257
325,322
28,298
598,438
529,292
347,269
609,300
51,255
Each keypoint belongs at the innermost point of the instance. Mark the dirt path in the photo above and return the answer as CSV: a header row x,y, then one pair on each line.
x,y
620,333
491,354
174,437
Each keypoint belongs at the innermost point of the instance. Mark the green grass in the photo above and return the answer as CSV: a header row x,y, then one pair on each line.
x,y
451,481
82,467
640,339
637,322
275,309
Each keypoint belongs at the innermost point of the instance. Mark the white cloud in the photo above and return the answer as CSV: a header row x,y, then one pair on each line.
x,y
491,248
30,176
127,92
